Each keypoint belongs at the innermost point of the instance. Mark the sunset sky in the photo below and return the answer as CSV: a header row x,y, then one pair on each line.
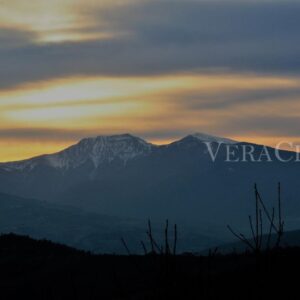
x,y
159,69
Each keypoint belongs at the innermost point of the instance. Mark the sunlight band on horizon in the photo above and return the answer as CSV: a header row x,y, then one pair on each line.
x,y
160,109
157,69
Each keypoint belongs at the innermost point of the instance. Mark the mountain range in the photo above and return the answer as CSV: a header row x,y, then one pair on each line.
x,y
123,176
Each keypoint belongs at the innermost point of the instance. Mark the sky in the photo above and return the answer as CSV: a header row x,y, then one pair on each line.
x,y
159,69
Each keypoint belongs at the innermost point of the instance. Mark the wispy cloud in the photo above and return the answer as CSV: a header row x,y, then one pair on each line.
x,y
165,37
157,68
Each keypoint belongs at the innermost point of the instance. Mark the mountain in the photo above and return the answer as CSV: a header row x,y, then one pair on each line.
x,y
86,230
202,137
90,151
289,239
128,177
68,225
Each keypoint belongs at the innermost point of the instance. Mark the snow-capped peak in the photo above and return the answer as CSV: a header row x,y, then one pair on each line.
x,y
211,138
94,150
99,150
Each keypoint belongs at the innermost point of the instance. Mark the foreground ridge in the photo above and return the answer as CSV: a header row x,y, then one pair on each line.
x,y
44,270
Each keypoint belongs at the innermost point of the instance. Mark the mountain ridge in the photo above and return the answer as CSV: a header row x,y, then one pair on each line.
x,y
179,181
123,146
102,148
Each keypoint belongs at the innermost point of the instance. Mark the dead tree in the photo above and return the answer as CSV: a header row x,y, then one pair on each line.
x,y
256,243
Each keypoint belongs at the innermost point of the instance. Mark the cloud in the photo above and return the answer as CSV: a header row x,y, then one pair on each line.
x,y
271,126
11,38
167,37
226,67
41,134
236,97
159,108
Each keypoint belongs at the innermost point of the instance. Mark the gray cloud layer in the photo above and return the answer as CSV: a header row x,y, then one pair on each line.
x,y
268,125
165,37
229,99
11,38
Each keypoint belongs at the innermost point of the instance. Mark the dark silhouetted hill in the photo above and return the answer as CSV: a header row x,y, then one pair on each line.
x,y
31,269
85,230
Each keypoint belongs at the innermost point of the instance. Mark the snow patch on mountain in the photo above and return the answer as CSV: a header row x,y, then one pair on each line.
x,y
97,150
101,149
27,165
211,138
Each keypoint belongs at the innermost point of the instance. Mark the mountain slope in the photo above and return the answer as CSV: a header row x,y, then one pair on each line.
x,y
85,230
126,176
98,151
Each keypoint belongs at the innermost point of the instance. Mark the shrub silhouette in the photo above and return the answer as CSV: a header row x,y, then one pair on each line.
x,y
256,245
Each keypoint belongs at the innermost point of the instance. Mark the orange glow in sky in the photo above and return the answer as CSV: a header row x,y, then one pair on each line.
x,y
90,106
49,112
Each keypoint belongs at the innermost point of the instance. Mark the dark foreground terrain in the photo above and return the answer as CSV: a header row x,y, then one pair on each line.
x,y
31,269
